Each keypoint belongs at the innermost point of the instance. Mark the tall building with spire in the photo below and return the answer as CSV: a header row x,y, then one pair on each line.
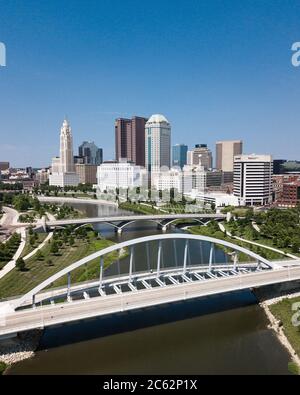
x,y
63,168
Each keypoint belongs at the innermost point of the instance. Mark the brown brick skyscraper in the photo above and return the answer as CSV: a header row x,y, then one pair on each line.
x,y
130,139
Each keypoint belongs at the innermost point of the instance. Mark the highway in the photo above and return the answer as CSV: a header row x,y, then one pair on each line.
x,y
49,315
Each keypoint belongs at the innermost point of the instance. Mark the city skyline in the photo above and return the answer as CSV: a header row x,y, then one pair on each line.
x,y
247,87
149,190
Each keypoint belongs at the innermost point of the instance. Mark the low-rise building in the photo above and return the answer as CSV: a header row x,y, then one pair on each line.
x,y
286,189
112,175
218,199
4,166
42,176
183,181
87,173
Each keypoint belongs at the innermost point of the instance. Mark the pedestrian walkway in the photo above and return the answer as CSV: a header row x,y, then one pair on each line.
x,y
223,229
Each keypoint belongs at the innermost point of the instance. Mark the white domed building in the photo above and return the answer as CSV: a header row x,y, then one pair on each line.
x,y
157,143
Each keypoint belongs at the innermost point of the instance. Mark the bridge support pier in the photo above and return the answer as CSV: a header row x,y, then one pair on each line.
x,y
119,231
235,261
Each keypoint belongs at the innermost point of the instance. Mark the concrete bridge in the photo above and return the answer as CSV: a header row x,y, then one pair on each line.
x,y
119,223
161,282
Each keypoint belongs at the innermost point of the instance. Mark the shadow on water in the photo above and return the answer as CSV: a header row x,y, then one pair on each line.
x,y
143,318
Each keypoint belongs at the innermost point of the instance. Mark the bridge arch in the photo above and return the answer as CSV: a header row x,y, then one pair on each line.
x,y
88,224
168,223
125,224
130,243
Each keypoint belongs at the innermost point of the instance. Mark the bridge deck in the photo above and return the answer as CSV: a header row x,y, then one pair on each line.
x,y
159,217
89,307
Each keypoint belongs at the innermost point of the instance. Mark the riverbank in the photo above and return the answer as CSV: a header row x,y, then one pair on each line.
x,y
279,312
18,349
53,199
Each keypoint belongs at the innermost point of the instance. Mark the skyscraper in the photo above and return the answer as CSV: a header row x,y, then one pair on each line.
x,y
200,155
157,143
63,168
91,154
130,139
123,139
253,179
225,152
179,155
138,140
66,149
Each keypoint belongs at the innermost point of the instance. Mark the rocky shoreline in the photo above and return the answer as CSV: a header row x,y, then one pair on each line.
x,y
276,326
265,301
20,348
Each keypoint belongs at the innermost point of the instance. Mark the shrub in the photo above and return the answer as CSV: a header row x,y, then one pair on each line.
x,y
3,366
20,264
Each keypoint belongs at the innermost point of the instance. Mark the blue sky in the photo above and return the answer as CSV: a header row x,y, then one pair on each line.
x,y
216,69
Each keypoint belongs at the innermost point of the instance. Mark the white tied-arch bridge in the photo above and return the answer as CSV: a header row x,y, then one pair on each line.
x,y
161,282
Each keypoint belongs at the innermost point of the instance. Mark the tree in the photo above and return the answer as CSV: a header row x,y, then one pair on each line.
x,y
21,202
39,255
295,245
20,264
54,248
32,240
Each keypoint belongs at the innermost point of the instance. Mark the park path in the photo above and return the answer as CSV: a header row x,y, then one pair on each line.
x,y
255,226
9,218
40,246
223,229
12,264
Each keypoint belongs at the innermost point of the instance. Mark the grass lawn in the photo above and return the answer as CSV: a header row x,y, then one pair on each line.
x,y
92,270
29,248
8,249
19,282
3,366
261,239
218,234
212,231
283,312
139,208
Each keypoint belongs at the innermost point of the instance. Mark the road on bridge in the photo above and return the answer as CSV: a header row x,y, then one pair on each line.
x,y
125,218
40,317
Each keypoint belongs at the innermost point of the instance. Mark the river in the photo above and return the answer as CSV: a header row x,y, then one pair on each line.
x,y
225,334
